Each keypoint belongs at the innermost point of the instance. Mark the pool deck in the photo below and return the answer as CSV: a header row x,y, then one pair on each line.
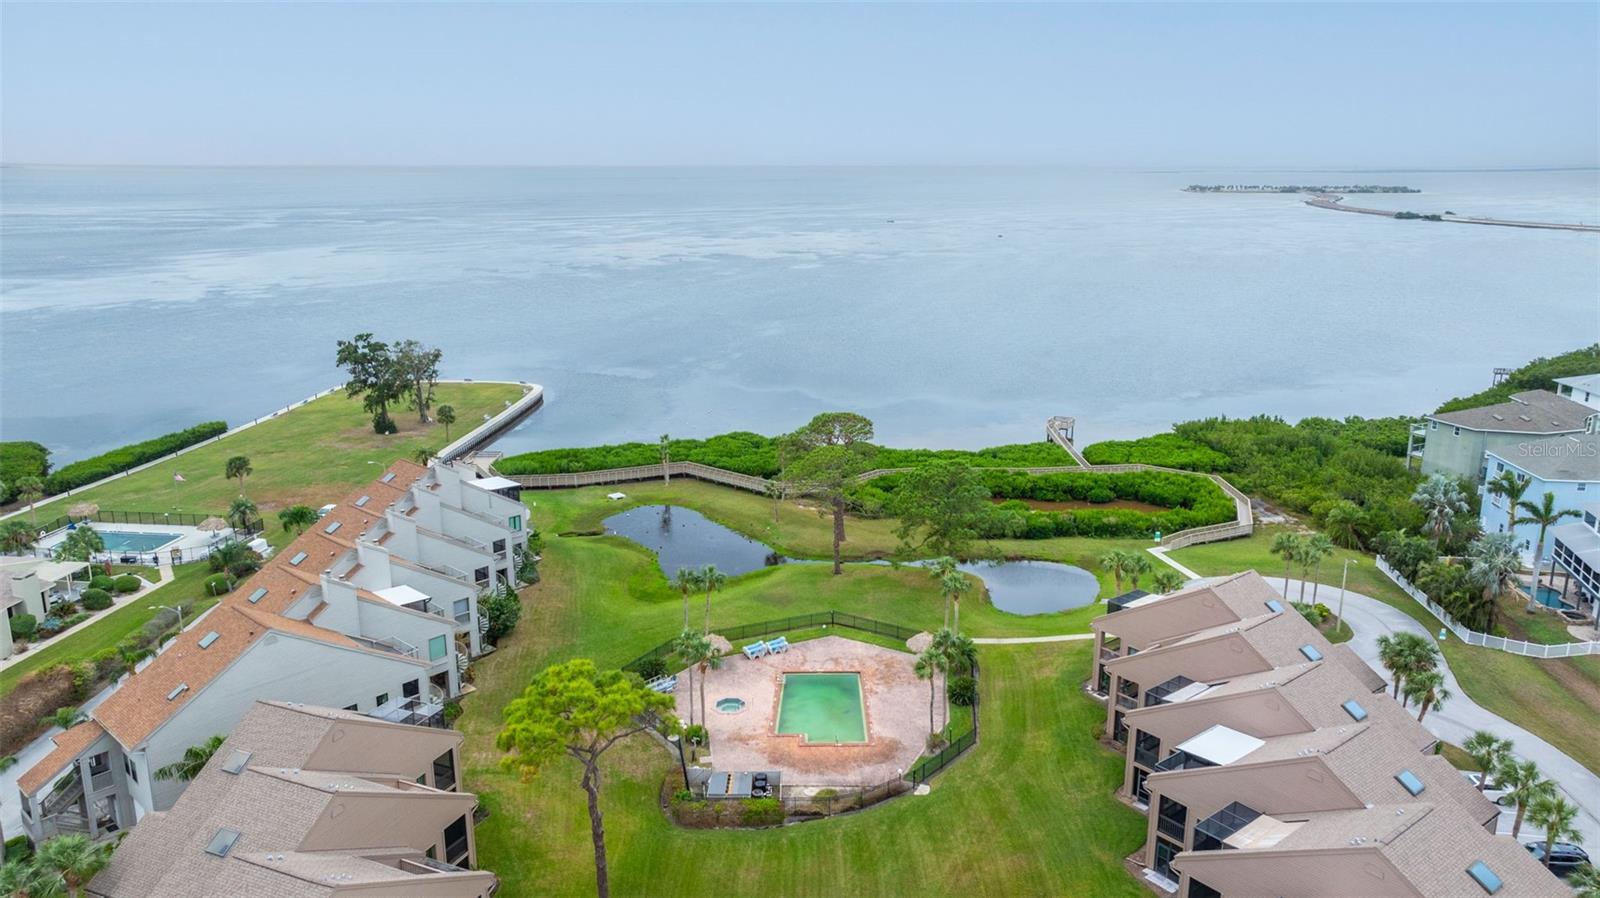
x,y
896,705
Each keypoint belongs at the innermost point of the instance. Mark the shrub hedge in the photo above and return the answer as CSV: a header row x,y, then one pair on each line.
x,y
96,599
24,626
102,581
116,461
757,455
128,583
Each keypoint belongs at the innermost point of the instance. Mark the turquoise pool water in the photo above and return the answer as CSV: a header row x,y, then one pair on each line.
x,y
823,707
135,541
1548,597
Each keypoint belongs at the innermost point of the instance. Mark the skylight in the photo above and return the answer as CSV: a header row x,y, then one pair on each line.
x,y
334,527
236,761
386,478
1311,653
1354,709
1274,605
222,842
206,640
1484,876
1410,781
362,502
298,557
258,595
177,690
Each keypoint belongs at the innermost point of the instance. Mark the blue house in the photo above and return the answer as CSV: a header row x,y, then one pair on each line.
x,y
1574,577
1567,466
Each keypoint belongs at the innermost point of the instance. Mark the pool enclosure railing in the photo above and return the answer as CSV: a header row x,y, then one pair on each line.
x,y
787,625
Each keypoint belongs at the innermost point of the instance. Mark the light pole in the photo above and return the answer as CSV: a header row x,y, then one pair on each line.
x,y
682,764
177,611
1343,579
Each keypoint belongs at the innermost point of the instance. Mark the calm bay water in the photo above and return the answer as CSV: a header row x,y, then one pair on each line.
x,y
956,307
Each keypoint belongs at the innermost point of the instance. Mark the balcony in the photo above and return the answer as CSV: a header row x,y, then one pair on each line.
x,y
1159,694
1211,834
1182,760
1106,654
456,852
389,644
465,542
1127,701
1147,751
413,711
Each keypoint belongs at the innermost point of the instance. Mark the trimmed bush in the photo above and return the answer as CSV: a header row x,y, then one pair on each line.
x,y
760,812
116,461
128,583
96,599
217,584
651,668
24,626
103,582
963,691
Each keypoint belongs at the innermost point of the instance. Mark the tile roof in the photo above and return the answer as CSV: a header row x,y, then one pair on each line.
x,y
68,745
1531,411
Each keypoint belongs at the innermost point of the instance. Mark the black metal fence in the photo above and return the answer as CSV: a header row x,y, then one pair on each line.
x,y
927,766
788,625
254,525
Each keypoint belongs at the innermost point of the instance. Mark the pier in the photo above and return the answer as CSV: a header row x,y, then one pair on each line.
x,y
1335,202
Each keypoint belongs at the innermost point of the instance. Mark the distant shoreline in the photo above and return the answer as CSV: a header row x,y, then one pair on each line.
x,y
1298,188
1334,202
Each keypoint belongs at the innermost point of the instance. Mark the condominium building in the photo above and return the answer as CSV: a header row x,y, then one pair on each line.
x,y
1574,574
309,801
1566,467
1259,751
1455,443
373,609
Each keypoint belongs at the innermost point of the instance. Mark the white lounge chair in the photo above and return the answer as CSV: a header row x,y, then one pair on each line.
x,y
781,644
755,650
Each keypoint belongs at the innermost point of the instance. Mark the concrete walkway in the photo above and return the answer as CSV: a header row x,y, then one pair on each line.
x,y
1460,716
164,573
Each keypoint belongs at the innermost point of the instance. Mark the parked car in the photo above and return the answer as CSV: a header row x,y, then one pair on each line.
x,y
1565,857
1494,793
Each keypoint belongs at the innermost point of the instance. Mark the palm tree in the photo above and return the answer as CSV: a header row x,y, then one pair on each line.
x,y
689,580
30,489
1138,566
1167,580
687,645
702,654
1317,548
194,760
75,858
1546,516
926,667
65,717
940,568
16,536
422,455
1508,486
955,653
1586,881
81,544
1557,817
446,415
1286,546
1488,750
297,517
241,512
1115,562
24,878
711,580
1494,569
1441,500
1405,655
954,585
1427,688
1343,523
1524,785
238,468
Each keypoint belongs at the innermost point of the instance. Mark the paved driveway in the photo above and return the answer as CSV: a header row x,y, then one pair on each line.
x,y
1461,716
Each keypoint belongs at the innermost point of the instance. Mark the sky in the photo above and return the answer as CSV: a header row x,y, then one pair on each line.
x,y
1193,85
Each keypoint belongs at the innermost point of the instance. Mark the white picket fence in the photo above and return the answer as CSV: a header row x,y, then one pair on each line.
x,y
1473,637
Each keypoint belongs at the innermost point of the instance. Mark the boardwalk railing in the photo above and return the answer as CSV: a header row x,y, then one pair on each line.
x,y
1473,637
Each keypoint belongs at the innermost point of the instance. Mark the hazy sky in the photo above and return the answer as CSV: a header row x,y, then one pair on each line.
x,y
1189,85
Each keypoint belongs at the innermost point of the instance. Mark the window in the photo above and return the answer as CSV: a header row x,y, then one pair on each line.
x,y
438,646
1435,424
222,842
1485,877
1274,606
362,502
209,638
236,761
1198,889
1354,709
387,478
298,557
1499,466
515,523
177,690
1311,653
455,841
129,767
1582,487
462,609
1457,432
444,771
333,528
411,689
1165,852
1171,817
1409,780
499,546
258,595
350,707
382,699
100,763
481,575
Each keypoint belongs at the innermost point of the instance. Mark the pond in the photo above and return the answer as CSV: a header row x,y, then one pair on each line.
x,y
681,537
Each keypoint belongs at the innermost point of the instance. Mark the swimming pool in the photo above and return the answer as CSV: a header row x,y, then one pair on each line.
x,y
135,540
1550,598
822,707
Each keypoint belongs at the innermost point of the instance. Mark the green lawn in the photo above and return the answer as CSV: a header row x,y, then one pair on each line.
x,y
188,584
987,828
1559,699
309,456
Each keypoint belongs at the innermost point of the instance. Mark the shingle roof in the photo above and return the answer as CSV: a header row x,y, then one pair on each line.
x,y
68,745
1531,411
1569,457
